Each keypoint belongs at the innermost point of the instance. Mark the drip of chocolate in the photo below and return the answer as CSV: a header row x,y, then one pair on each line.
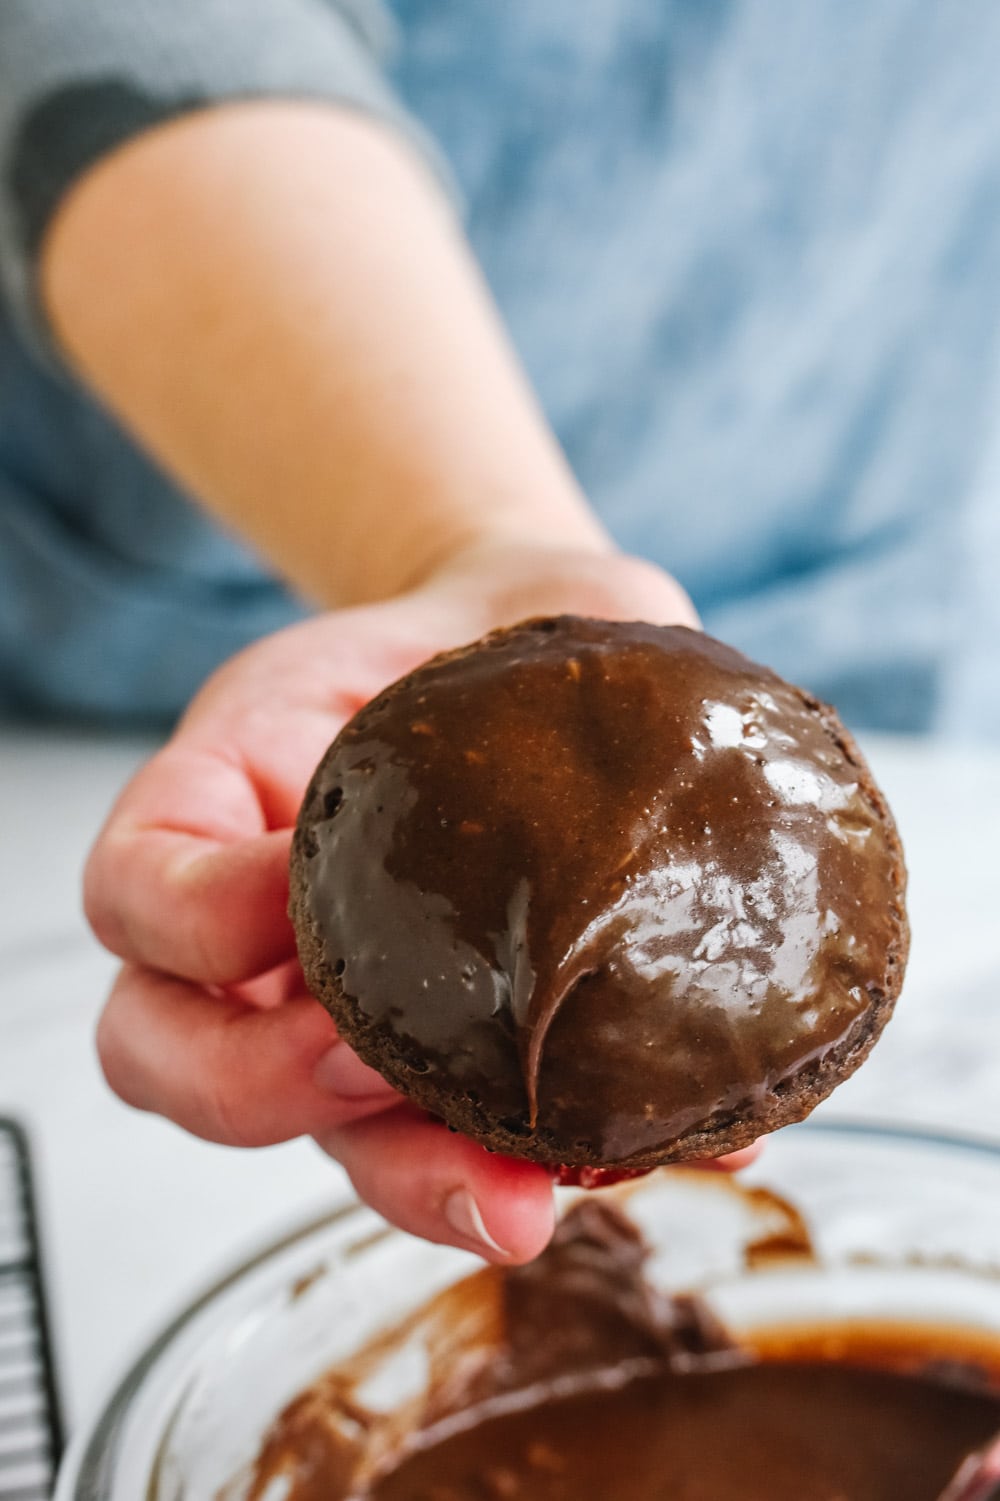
x,y
582,1317
588,1297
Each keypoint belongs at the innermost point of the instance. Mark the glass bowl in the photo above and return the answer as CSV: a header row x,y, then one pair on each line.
x,y
904,1227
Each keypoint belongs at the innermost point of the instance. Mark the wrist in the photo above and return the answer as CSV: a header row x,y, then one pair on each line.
x,y
495,581
567,526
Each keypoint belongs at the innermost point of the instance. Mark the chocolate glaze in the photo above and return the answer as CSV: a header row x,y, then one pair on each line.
x,y
573,1377
603,883
802,1432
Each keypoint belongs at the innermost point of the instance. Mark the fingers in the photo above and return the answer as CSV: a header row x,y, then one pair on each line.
x,y
444,1187
245,1076
186,876
215,913
228,1071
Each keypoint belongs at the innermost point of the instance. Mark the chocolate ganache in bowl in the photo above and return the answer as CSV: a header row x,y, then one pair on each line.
x,y
843,1294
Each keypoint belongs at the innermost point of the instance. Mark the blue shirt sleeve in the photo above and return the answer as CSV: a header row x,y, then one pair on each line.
x,y
78,79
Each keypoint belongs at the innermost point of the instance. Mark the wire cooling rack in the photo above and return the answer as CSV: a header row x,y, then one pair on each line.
x,y
30,1424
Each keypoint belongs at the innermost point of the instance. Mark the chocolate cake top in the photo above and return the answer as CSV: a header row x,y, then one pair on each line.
x,y
608,882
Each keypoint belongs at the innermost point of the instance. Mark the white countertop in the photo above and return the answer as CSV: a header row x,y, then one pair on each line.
x,y
137,1217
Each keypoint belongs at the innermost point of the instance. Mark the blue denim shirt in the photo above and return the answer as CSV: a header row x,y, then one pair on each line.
x,y
749,252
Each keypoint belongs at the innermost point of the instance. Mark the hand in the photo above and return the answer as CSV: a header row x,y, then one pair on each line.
x,y
209,1022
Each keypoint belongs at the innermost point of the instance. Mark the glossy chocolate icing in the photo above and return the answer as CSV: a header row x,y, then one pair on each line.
x,y
608,883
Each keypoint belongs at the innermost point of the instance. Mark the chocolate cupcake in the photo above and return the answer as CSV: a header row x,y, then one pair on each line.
x,y
602,894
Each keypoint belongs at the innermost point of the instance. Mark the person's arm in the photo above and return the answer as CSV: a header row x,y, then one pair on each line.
x,y
277,301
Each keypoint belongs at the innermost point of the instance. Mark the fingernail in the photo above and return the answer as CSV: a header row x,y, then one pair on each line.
x,y
340,1072
465,1218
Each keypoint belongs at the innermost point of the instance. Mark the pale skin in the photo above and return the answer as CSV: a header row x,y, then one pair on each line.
x,y
276,300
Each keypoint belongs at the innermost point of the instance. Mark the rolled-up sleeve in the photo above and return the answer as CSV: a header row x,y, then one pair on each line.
x,y
80,77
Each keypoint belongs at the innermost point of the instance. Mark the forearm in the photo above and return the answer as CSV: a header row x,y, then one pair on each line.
x,y
276,301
